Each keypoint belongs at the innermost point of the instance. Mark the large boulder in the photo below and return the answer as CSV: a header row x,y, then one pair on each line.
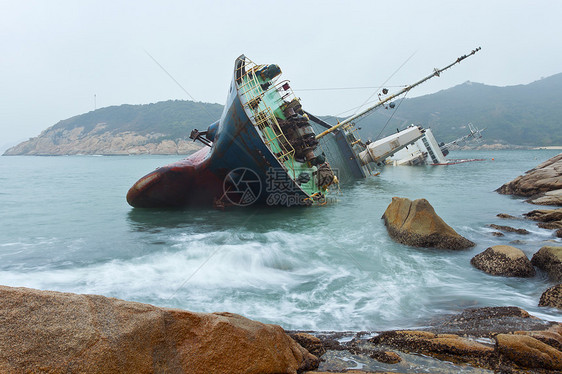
x,y
552,297
549,259
415,223
538,181
53,332
504,260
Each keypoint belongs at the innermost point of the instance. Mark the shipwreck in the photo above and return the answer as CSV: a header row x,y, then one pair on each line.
x,y
264,150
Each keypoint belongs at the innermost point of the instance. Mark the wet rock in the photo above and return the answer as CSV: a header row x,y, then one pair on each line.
x,y
504,260
554,225
310,342
529,352
549,198
552,297
549,259
385,356
415,223
505,216
509,229
535,182
444,346
559,233
552,338
380,355
344,372
487,322
525,342
43,331
460,339
545,215
497,233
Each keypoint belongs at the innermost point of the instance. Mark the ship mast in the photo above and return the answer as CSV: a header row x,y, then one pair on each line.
x,y
435,73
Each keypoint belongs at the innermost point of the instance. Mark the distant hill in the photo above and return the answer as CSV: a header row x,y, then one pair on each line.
x,y
524,115
520,115
160,128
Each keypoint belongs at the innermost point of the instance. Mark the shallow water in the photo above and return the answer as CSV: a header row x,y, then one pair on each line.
x,y
66,226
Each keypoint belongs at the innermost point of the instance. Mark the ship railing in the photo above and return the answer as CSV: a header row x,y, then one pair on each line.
x,y
286,93
263,116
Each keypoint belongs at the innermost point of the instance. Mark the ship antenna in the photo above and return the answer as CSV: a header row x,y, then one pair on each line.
x,y
435,73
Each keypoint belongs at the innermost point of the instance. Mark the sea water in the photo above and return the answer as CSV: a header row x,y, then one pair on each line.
x,y
66,226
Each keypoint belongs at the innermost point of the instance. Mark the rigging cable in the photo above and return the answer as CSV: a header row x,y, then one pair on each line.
x,y
180,86
342,88
390,77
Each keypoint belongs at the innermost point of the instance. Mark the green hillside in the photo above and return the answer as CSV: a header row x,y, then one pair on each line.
x,y
523,115
173,118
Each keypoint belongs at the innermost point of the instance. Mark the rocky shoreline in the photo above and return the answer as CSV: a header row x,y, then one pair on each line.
x,y
59,142
502,339
55,332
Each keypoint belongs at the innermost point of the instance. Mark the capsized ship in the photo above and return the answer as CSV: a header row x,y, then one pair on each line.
x,y
427,151
264,150
261,151
355,159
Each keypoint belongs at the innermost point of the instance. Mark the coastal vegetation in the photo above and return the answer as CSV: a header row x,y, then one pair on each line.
x,y
525,115
528,115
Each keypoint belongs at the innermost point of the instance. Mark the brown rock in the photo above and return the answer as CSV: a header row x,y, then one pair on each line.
x,y
415,223
505,216
486,322
542,179
552,338
380,355
310,342
386,356
549,259
529,352
545,215
447,346
552,297
346,372
559,233
497,233
53,332
504,260
554,225
509,229
549,198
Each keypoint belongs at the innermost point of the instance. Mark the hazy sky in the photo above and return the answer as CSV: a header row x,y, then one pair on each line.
x,y
56,55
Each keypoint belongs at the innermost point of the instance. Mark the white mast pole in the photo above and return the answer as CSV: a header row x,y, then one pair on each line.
x,y
436,73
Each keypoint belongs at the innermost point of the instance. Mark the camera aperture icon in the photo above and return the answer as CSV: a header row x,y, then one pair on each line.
x,y
242,186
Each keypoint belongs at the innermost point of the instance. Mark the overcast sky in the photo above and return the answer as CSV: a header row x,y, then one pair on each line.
x,y
56,55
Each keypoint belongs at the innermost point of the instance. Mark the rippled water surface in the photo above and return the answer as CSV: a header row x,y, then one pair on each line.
x,y
66,226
